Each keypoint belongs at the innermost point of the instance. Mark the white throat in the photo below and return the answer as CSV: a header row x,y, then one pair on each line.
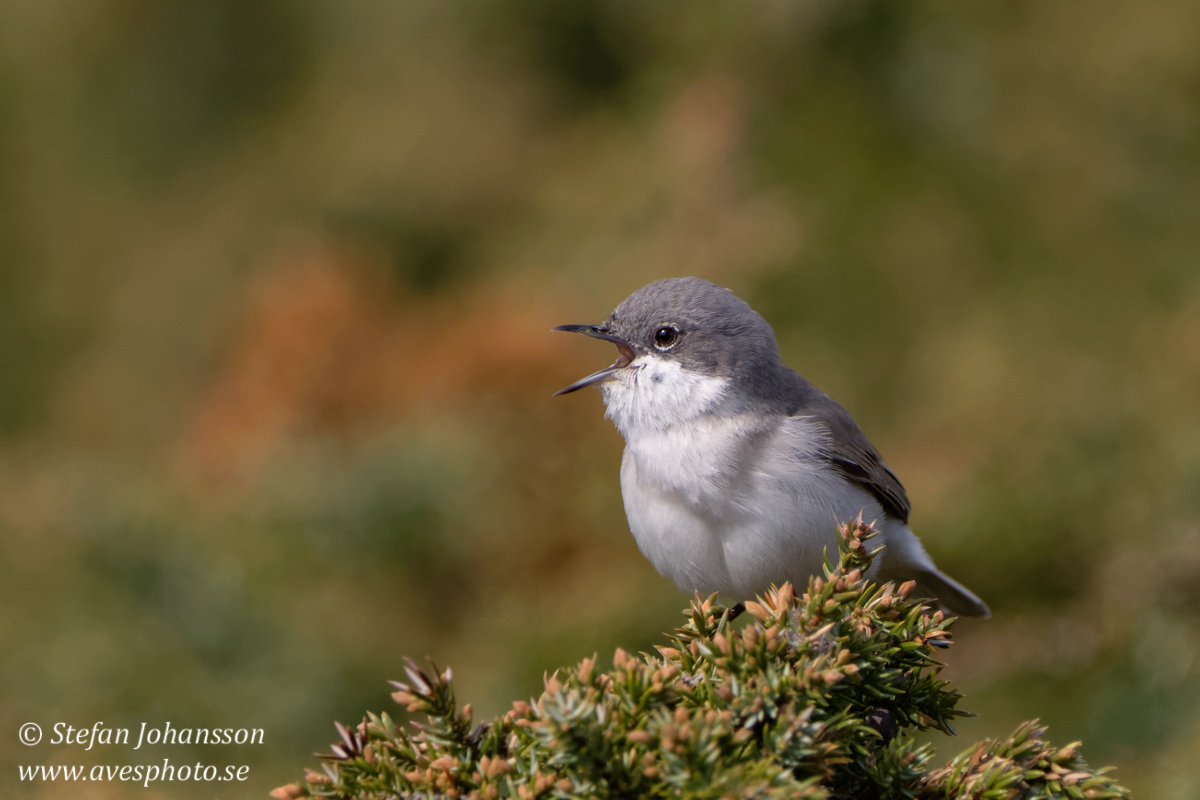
x,y
656,393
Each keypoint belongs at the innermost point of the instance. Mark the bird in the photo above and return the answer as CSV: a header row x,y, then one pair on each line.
x,y
737,471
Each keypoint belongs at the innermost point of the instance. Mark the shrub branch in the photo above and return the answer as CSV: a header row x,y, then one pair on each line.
x,y
815,695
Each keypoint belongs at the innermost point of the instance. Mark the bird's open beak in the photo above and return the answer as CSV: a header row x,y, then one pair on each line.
x,y
596,332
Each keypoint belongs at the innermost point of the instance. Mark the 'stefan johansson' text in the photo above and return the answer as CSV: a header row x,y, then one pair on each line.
x,y
165,734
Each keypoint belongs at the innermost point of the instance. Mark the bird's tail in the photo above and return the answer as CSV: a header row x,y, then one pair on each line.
x,y
905,559
952,596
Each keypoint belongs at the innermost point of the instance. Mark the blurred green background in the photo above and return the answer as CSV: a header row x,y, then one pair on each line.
x,y
276,285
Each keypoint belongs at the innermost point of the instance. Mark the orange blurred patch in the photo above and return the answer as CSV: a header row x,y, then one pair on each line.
x,y
328,346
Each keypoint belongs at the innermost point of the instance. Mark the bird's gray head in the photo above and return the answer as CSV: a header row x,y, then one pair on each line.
x,y
697,326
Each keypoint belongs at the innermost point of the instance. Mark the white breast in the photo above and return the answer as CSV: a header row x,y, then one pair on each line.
x,y
723,502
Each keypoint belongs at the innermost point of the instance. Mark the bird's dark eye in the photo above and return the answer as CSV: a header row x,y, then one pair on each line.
x,y
665,336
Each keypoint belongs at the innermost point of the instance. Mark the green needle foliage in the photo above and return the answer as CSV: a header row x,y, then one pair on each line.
x,y
809,696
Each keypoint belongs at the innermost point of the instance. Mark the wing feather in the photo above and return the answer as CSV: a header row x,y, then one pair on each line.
x,y
850,453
